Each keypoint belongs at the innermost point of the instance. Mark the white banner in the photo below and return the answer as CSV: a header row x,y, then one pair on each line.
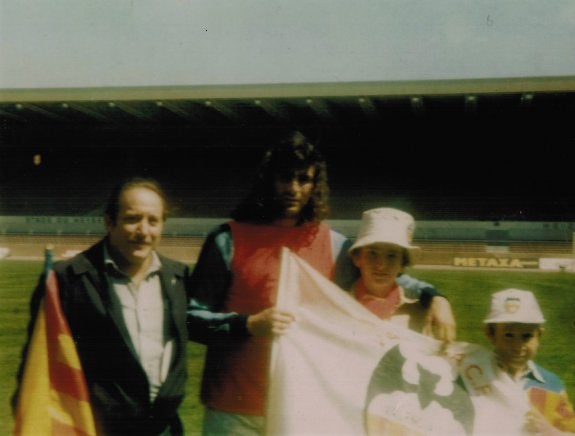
x,y
340,370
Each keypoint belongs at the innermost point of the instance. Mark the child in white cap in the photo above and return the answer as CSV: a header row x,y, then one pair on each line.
x,y
381,251
514,327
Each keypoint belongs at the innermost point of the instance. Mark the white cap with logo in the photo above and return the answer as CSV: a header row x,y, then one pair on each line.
x,y
514,306
387,225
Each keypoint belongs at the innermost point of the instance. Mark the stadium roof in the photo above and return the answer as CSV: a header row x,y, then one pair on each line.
x,y
293,105
280,63
458,149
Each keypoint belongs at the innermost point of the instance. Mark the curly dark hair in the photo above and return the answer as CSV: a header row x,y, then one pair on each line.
x,y
290,155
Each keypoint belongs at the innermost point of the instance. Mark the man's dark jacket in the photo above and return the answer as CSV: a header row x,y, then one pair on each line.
x,y
119,389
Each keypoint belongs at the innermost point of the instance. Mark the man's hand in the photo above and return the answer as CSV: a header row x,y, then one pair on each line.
x,y
270,321
439,321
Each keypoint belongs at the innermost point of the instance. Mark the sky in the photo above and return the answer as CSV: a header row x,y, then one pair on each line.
x,y
104,43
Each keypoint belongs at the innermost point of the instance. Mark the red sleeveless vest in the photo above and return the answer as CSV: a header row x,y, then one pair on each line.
x,y
255,270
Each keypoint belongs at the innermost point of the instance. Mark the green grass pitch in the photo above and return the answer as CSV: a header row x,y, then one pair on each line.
x,y
468,290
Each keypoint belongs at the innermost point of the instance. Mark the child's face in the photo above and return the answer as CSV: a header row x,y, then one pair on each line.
x,y
379,265
515,344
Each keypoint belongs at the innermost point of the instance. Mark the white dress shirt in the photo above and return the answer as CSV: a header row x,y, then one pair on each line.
x,y
143,311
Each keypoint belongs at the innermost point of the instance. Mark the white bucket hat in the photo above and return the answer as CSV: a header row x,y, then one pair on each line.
x,y
387,225
514,305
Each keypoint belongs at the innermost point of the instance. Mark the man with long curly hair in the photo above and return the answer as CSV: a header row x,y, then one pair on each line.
x,y
234,282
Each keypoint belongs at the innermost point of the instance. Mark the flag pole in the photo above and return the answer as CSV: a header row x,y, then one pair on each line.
x,y
54,397
48,258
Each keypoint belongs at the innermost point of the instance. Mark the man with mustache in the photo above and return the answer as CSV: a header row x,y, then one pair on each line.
x,y
235,279
126,308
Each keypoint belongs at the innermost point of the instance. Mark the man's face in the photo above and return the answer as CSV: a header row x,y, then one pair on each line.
x,y
379,265
293,191
138,227
515,344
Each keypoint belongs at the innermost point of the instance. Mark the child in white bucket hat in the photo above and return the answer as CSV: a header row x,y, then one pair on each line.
x,y
382,249
387,226
514,328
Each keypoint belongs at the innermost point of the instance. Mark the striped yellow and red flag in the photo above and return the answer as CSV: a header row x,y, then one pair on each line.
x,y
53,397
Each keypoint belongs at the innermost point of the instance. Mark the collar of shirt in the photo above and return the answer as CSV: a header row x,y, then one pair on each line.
x,y
111,263
383,307
532,371
358,289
